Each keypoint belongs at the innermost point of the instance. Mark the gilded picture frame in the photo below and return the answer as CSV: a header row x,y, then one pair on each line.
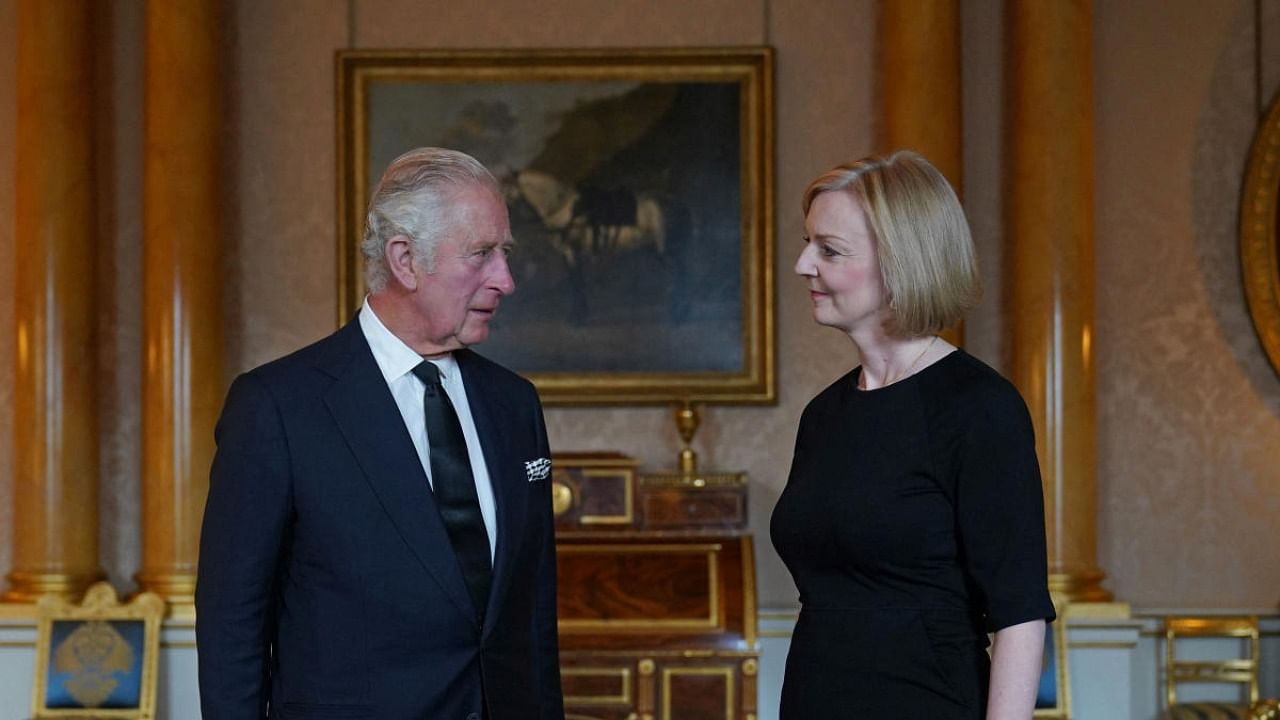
x,y
640,188
1259,256
97,660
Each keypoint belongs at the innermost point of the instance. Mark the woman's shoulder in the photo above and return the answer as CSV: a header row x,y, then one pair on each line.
x,y
963,384
834,396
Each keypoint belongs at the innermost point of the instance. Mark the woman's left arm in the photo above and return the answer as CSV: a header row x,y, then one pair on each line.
x,y
1015,670
1000,515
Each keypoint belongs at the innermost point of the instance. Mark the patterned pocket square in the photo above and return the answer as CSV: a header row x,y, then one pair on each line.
x,y
538,469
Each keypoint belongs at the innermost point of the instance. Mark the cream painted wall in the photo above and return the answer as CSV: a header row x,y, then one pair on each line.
x,y
1189,409
119,164
1189,412
983,95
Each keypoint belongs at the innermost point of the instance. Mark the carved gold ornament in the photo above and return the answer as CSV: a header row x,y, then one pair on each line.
x,y
92,654
1259,263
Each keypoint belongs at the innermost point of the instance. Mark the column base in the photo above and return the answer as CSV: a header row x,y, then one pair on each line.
x,y
175,587
25,587
1080,586
1099,611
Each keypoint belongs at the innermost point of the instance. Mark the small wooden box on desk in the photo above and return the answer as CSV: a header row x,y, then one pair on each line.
x,y
657,595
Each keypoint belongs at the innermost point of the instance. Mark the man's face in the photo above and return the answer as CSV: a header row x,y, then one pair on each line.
x,y
455,301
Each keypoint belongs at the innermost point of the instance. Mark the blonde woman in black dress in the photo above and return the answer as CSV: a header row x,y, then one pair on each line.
x,y
912,520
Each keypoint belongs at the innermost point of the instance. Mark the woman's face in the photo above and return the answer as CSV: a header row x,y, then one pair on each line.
x,y
840,265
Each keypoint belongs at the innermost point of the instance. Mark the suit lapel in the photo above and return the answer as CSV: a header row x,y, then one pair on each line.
x,y
370,421
506,472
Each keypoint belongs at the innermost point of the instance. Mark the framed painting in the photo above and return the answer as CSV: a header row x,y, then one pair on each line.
x,y
639,184
97,660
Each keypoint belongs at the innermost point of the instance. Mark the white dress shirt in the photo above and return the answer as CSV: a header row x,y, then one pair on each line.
x,y
397,361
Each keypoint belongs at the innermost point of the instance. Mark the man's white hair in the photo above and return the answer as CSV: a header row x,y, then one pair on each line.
x,y
412,199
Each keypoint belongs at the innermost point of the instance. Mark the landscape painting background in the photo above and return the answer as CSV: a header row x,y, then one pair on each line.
x,y
626,207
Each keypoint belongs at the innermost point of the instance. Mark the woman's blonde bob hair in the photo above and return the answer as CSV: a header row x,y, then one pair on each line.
x,y
922,238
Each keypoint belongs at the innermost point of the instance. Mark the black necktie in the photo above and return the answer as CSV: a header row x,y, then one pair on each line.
x,y
454,488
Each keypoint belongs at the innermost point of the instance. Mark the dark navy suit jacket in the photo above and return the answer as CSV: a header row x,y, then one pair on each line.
x,y
327,586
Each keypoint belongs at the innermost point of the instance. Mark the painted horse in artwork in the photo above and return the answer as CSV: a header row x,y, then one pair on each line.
x,y
585,223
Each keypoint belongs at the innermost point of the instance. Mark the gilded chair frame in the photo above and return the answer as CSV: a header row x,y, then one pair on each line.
x,y
100,604
1243,671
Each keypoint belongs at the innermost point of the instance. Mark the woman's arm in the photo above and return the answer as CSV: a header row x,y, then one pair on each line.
x,y
1015,670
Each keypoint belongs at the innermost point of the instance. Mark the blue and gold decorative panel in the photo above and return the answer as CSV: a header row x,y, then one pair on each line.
x,y
1053,697
97,659
1047,694
95,664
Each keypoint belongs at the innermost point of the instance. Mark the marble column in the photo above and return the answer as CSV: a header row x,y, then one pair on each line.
x,y
1049,283
920,87
182,285
55,443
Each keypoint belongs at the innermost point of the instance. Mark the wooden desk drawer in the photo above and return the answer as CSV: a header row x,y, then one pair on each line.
x,y
680,685
648,590
678,508
703,500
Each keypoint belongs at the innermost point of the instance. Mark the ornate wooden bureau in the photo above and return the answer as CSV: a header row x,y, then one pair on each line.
x,y
656,593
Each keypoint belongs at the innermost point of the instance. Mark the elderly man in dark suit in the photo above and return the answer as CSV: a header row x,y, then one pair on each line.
x,y
378,537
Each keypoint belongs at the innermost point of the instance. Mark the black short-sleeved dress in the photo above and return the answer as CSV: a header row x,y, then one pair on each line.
x,y
913,524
